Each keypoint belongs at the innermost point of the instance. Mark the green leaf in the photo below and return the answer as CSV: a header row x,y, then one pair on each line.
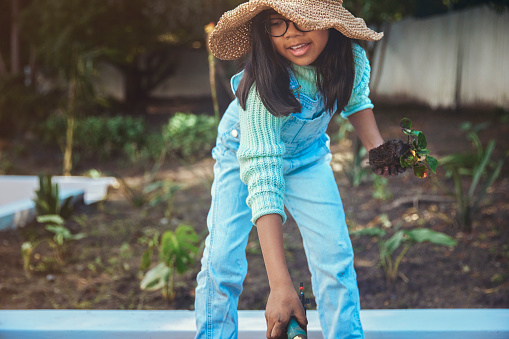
x,y
415,133
421,171
408,160
394,242
58,229
78,236
480,169
432,162
146,259
156,278
465,126
153,187
489,181
426,235
406,123
166,246
50,219
370,232
459,160
421,140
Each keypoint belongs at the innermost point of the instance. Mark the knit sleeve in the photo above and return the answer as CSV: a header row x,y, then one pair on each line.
x,y
360,93
260,156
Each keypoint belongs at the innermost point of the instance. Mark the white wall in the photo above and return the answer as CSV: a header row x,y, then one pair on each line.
x,y
191,78
458,59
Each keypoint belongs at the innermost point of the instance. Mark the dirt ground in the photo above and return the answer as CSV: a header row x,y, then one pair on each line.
x,y
102,270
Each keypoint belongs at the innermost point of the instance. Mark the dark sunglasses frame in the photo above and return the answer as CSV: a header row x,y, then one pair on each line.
x,y
267,24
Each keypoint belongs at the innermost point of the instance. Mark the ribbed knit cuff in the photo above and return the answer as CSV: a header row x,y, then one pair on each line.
x,y
356,108
266,203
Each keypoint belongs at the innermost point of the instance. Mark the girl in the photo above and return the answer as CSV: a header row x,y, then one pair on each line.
x,y
272,151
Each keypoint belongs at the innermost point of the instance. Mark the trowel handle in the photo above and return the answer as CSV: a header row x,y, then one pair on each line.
x,y
295,331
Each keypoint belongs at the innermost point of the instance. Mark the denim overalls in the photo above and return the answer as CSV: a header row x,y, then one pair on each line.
x,y
311,197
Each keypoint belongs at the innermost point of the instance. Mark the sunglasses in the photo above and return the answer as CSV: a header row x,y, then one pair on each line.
x,y
278,27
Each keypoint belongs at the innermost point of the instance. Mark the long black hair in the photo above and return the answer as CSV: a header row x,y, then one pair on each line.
x,y
269,71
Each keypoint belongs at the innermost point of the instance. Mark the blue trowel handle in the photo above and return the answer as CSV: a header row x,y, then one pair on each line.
x,y
295,331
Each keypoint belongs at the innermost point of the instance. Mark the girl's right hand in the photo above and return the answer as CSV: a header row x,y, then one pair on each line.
x,y
283,303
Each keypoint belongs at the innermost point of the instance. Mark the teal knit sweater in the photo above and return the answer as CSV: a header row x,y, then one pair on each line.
x,y
261,149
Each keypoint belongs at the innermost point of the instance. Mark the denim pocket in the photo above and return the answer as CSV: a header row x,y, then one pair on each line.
x,y
230,138
298,133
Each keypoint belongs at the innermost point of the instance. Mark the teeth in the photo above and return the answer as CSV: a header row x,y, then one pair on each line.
x,y
298,46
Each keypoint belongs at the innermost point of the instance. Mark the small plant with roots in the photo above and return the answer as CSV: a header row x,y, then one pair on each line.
x,y
417,154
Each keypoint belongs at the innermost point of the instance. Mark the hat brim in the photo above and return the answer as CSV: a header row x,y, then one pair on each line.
x,y
231,38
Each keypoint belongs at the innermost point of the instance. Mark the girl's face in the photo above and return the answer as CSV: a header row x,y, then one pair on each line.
x,y
300,48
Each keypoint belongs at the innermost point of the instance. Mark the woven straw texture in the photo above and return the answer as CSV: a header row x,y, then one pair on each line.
x,y
231,38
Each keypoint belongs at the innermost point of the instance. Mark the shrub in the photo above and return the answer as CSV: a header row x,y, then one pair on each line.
x,y
107,137
189,135
184,136
99,137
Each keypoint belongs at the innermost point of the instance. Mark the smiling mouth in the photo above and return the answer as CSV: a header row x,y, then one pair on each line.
x,y
299,49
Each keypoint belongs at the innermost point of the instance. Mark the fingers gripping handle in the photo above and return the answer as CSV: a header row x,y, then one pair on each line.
x,y
294,329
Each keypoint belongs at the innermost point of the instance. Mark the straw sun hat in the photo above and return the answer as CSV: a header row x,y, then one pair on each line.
x,y
231,38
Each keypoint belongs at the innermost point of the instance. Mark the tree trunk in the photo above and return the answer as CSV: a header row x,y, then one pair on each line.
x,y
71,108
134,91
3,69
15,64
145,73
33,65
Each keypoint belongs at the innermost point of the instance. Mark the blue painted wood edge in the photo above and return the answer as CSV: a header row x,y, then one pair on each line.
x,y
427,323
19,213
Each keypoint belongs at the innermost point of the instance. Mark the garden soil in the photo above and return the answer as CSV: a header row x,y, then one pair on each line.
x,y
101,271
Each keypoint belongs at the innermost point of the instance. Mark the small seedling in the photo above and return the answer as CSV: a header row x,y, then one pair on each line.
x,y
59,243
402,238
62,236
177,251
417,157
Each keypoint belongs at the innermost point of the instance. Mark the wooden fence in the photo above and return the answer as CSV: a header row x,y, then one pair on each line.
x,y
447,61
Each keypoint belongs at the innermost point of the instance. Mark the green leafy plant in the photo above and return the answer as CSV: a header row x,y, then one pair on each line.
x,y
417,157
62,236
59,242
176,253
97,137
189,135
390,257
47,200
477,165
